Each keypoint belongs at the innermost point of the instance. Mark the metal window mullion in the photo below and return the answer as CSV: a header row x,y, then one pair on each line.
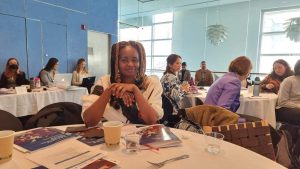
x,y
274,33
281,54
152,46
160,23
162,39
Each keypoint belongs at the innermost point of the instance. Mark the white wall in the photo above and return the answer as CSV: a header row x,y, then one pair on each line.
x,y
189,33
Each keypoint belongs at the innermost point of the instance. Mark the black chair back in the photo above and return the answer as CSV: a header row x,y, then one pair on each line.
x,y
57,114
169,119
9,122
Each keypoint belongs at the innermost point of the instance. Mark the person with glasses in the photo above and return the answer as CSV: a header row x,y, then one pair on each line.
x,y
12,75
281,70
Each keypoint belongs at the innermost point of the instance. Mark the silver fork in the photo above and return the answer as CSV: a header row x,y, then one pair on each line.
x,y
160,164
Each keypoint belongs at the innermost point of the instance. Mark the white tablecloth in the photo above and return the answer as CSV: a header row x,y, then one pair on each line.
x,y
262,107
30,103
230,157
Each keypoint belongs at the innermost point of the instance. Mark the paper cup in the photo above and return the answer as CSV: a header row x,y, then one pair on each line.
x,y
6,145
112,132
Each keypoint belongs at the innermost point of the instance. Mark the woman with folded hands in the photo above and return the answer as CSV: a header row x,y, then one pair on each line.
x,y
281,70
13,76
127,94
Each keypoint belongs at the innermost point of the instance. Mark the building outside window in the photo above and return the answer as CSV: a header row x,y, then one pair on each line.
x,y
274,43
156,39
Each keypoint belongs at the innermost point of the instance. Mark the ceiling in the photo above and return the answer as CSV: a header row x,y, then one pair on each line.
x,y
133,8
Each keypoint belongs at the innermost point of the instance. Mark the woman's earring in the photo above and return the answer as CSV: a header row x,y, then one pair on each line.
x,y
118,77
138,78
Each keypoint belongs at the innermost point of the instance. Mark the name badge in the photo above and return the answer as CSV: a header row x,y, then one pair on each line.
x,y
21,90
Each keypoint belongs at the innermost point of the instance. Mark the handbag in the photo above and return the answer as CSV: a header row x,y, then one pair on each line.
x,y
188,125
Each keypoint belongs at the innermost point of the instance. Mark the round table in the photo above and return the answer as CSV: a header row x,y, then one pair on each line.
x,y
230,157
262,107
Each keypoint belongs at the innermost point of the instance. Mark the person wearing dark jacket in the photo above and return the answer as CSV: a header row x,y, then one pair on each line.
x,y
13,76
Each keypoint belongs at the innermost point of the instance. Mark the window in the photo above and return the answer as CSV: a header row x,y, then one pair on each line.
x,y
156,39
274,43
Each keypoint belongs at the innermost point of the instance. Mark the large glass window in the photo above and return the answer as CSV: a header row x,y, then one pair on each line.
x,y
274,43
156,39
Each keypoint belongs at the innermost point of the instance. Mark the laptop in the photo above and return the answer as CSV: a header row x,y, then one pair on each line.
x,y
88,82
63,78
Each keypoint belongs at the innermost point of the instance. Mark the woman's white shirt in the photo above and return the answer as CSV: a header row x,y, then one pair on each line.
x,y
152,94
77,77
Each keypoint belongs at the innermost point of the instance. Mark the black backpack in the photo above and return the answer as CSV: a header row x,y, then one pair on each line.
x,y
288,147
57,114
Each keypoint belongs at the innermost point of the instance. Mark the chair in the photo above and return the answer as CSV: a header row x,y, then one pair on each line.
x,y
274,134
62,113
254,136
249,118
169,119
9,122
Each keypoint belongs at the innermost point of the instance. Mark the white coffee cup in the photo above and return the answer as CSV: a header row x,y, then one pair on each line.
x,y
112,132
6,145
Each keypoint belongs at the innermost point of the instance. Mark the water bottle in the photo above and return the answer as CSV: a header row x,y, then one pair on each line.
x,y
37,82
31,83
256,86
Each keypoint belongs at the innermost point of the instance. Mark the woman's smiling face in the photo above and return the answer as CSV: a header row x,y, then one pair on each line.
x,y
129,62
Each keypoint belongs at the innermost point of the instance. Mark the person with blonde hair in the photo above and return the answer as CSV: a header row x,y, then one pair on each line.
x,y
225,92
79,73
127,94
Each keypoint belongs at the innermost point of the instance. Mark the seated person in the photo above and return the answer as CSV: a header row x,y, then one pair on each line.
x,y
47,74
288,105
203,76
184,74
281,70
225,92
13,76
172,87
79,73
127,94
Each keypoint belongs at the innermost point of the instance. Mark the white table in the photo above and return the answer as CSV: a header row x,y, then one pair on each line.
x,y
30,103
262,107
230,157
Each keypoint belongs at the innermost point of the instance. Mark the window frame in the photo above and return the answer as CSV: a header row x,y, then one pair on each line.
x,y
262,34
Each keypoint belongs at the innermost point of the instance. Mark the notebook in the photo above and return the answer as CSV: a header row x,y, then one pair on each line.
x,y
158,136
